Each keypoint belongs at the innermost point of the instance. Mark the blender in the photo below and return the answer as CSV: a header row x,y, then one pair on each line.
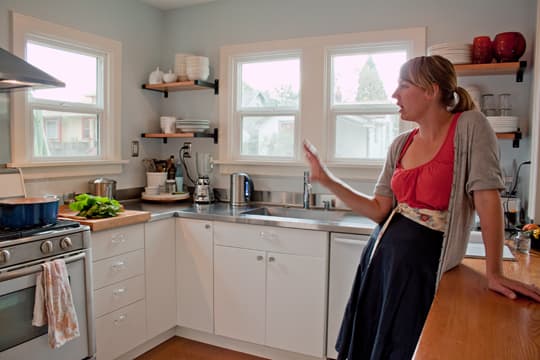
x,y
203,193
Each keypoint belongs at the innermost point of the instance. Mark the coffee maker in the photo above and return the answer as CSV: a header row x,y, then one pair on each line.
x,y
203,193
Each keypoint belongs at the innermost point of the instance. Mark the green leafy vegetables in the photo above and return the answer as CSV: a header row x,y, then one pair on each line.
x,y
95,207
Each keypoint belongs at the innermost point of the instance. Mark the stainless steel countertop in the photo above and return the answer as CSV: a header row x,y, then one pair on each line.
x,y
351,223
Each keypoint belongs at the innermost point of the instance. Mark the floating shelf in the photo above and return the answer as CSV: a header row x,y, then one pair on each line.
x,y
515,136
165,88
493,69
213,135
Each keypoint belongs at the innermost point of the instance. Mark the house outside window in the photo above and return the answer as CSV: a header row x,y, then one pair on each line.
x,y
334,91
75,125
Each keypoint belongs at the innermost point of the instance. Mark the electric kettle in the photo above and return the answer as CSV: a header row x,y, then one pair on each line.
x,y
241,189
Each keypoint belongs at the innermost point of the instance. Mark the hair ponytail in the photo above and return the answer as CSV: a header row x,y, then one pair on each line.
x,y
465,102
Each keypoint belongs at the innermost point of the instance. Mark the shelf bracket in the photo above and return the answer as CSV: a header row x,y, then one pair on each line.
x,y
521,70
216,92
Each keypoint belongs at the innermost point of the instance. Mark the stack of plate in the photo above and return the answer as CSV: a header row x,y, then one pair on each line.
x,y
457,53
188,125
197,67
180,67
501,124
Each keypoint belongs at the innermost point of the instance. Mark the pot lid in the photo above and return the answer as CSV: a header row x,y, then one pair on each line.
x,y
102,181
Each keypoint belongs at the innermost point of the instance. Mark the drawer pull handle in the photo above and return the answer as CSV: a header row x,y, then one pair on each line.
x,y
120,319
118,239
118,266
271,259
207,226
259,257
119,292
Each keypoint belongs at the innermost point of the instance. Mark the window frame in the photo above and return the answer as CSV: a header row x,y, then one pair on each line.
x,y
314,106
239,112
26,28
357,109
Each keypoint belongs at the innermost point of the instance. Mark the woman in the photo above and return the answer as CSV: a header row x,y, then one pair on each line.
x,y
433,179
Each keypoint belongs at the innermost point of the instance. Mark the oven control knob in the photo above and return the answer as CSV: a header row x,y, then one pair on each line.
x,y
47,247
4,256
65,243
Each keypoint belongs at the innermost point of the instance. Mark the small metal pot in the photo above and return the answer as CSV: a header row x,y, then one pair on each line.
x,y
103,187
21,213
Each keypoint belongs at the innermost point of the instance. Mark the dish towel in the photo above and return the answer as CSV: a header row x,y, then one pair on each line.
x,y
53,304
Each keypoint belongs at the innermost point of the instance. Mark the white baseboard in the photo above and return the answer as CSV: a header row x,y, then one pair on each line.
x,y
241,346
148,345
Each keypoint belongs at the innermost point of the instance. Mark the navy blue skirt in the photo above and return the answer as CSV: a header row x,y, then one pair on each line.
x,y
390,298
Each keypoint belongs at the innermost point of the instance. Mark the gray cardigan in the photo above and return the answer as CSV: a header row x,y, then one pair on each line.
x,y
476,167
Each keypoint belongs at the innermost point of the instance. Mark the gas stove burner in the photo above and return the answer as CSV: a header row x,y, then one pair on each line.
x,y
10,234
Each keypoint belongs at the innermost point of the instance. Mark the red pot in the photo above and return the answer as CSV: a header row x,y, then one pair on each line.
x,y
508,46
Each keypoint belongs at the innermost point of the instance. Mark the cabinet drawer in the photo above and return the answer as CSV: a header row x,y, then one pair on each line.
x,y
117,241
120,331
118,268
115,296
269,238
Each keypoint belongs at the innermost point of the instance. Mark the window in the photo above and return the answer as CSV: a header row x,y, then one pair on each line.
x,y
362,115
71,126
334,91
267,106
69,108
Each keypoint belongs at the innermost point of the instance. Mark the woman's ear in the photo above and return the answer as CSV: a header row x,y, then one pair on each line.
x,y
433,92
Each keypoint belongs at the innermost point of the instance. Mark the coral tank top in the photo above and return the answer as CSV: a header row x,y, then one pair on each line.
x,y
427,186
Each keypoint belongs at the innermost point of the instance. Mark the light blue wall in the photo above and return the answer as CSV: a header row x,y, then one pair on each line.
x,y
140,30
204,29
150,37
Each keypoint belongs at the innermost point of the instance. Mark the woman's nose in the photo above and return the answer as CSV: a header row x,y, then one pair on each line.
x,y
395,94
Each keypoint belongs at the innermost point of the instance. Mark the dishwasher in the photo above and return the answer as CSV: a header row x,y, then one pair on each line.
x,y
345,253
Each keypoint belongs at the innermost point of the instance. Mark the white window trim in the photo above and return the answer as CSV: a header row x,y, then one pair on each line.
x,y
25,27
313,107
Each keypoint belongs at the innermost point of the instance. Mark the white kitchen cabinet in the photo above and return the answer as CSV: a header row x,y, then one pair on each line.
x,y
240,293
159,240
270,286
118,274
194,274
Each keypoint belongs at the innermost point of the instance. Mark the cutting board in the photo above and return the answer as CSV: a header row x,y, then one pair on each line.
x,y
126,217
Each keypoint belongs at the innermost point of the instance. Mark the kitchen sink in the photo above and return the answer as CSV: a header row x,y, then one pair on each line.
x,y
296,213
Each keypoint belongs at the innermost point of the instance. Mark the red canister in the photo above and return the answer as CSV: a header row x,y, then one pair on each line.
x,y
482,50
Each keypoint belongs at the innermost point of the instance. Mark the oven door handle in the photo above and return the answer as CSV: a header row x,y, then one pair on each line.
x,y
36,268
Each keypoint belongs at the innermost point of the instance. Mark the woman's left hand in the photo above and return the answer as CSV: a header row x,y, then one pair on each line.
x,y
510,288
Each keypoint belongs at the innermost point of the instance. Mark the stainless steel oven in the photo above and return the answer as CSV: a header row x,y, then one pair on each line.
x,y
20,262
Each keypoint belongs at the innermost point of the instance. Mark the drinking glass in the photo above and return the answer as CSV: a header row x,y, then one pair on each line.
x,y
504,104
488,105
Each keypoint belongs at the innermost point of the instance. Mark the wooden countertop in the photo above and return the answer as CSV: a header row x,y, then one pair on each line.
x,y
126,217
468,321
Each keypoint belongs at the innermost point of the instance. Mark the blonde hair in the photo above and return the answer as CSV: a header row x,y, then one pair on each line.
x,y
425,71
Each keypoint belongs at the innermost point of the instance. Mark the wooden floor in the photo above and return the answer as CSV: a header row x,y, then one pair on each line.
x,y
178,348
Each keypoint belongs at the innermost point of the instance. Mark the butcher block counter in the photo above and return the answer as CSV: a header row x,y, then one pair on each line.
x,y
468,321
126,217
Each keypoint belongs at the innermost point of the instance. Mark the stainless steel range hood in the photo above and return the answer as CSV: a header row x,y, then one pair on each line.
x,y
15,73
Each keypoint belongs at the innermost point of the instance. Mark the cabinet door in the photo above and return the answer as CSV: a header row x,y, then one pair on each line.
x,y
194,274
239,276
296,303
160,276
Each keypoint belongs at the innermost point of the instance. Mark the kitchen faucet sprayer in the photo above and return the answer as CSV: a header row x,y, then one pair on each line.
x,y
307,190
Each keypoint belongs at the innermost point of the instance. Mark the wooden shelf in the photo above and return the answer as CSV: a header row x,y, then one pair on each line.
x,y
492,69
515,136
165,88
213,135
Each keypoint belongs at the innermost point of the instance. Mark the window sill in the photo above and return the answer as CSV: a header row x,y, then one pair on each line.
x,y
278,169
63,169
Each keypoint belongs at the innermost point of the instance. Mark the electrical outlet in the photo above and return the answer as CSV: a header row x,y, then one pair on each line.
x,y
134,148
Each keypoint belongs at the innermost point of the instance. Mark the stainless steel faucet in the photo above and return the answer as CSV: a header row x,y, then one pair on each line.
x,y
307,190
